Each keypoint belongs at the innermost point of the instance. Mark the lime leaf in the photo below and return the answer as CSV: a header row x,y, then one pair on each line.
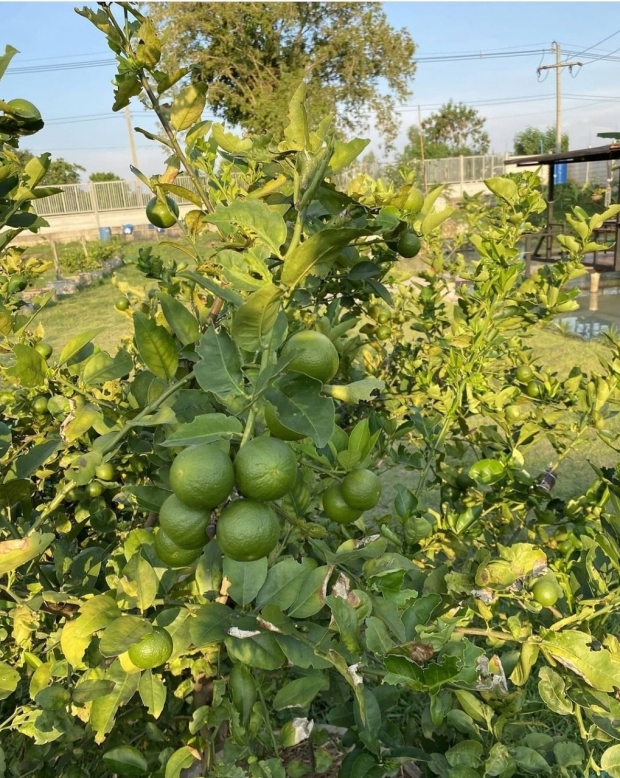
x,y
30,368
299,693
180,760
14,553
152,693
301,407
188,106
9,678
571,648
210,624
75,345
219,369
255,319
183,324
205,429
246,579
156,347
125,760
316,255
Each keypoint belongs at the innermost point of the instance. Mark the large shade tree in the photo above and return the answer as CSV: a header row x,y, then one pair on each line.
x,y
455,129
253,56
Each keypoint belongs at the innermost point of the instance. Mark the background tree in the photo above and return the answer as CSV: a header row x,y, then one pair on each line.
x,y
59,172
104,177
253,56
534,141
453,130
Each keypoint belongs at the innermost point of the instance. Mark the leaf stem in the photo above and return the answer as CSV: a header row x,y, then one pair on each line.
x,y
272,736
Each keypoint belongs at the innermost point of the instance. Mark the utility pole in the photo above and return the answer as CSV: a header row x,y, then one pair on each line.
x,y
132,143
421,134
558,90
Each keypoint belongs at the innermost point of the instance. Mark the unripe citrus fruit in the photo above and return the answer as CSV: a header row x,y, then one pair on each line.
x,y
24,109
336,507
39,404
184,526
545,593
512,412
121,304
384,317
247,530
524,374
361,489
44,349
265,469
94,489
533,389
202,476
152,650
162,214
277,429
171,554
105,471
383,332
313,354
409,244
375,311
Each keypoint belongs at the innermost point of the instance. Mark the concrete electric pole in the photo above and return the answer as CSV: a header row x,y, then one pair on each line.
x,y
558,90
132,143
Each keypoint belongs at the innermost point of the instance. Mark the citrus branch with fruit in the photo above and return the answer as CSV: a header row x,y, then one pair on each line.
x,y
207,564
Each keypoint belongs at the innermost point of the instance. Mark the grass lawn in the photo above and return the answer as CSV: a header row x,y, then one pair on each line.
x,y
94,307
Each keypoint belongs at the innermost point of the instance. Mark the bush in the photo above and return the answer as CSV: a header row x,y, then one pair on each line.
x,y
467,627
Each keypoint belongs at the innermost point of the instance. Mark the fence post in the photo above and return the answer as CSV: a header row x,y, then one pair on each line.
x,y
93,198
55,258
84,249
462,172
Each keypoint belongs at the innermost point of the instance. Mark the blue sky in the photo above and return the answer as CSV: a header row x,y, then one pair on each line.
x,y
52,32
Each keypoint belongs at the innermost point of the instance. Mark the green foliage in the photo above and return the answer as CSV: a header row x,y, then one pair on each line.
x,y
454,130
96,177
341,49
532,141
59,171
416,630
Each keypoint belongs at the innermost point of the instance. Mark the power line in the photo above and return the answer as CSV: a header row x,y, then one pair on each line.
x,y
596,44
59,66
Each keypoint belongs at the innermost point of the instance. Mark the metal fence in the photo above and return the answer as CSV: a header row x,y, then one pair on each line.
x,y
124,195
452,170
102,196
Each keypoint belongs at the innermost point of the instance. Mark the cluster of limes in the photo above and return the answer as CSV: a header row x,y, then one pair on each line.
x,y
359,491
202,478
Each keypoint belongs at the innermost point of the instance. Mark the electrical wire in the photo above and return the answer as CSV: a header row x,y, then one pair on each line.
x,y
580,53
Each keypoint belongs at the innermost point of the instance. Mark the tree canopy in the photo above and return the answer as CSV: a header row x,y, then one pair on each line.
x,y
59,172
453,130
254,55
534,141
95,177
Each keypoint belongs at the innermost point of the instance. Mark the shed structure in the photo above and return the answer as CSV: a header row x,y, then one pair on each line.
x,y
609,228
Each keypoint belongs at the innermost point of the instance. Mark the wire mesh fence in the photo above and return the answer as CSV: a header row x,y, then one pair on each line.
x,y
102,196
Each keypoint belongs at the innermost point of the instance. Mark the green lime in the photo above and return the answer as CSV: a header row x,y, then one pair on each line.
x,y
162,214
265,469
375,311
23,109
512,412
361,489
171,554
247,530
39,404
384,317
44,349
152,650
409,244
313,354
184,526
106,471
524,374
336,507
94,489
383,332
277,429
533,389
545,593
121,304
202,476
